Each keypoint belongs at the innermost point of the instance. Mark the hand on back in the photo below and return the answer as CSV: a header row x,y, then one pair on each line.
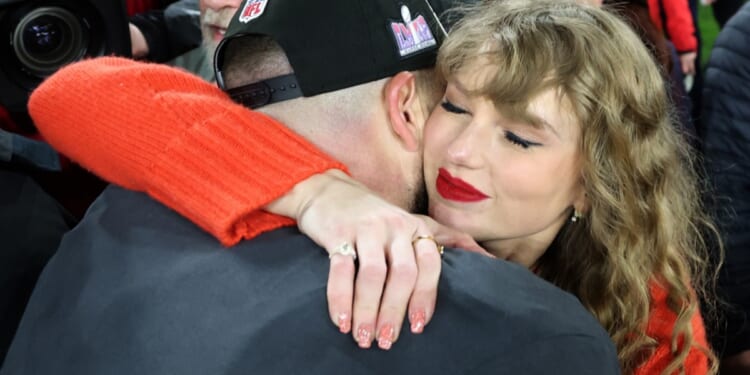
x,y
397,255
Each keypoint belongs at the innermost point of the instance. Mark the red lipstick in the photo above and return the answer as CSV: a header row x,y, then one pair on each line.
x,y
455,189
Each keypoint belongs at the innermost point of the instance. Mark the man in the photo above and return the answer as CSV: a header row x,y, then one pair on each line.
x,y
215,16
136,288
158,35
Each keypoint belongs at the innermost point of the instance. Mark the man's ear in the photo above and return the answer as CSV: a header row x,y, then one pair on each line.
x,y
404,109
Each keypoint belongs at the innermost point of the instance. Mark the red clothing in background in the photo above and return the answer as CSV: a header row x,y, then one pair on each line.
x,y
140,6
677,21
5,120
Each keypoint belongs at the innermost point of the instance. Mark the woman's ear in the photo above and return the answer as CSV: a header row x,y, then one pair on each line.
x,y
403,109
581,203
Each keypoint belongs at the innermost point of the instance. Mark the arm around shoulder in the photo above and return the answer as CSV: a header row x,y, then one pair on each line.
x,y
160,130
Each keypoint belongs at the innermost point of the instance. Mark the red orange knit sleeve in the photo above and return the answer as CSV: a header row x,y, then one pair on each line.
x,y
660,326
163,131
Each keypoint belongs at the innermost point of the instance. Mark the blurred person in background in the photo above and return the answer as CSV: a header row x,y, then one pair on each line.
x,y
674,19
162,30
723,10
726,129
187,35
637,14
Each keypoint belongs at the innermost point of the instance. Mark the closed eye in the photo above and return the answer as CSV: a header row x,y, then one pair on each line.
x,y
452,108
521,142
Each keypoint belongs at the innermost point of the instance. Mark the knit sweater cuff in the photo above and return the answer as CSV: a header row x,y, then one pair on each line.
x,y
230,166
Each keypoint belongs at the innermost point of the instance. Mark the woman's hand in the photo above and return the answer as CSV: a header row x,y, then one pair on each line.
x,y
399,263
687,62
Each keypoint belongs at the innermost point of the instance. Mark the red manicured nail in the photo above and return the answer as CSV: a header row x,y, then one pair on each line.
x,y
345,325
385,337
417,320
364,336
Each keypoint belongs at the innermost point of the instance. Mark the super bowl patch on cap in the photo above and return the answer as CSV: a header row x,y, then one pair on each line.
x,y
252,10
378,38
411,35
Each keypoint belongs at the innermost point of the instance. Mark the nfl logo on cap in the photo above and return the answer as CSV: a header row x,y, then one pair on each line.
x,y
252,10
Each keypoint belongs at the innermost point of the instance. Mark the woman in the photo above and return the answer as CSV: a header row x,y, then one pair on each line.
x,y
558,118
553,147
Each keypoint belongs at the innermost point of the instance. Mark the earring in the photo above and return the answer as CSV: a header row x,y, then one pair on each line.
x,y
576,216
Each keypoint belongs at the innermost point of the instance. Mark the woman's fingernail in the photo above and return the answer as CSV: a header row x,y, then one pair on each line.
x,y
364,336
385,337
417,320
344,323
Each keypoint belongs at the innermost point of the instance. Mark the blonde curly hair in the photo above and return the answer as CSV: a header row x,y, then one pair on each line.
x,y
645,223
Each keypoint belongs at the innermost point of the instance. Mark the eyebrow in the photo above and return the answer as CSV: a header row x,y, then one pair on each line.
x,y
460,87
535,121
549,126
540,121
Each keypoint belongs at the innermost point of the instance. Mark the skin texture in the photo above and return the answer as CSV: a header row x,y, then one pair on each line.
x,y
215,17
138,45
530,174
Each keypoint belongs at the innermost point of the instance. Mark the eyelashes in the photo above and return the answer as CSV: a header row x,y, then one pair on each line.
x,y
518,141
510,136
452,108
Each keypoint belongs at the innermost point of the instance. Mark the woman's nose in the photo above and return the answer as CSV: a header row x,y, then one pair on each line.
x,y
466,149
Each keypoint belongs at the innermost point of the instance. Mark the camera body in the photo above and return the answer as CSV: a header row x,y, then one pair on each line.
x,y
38,37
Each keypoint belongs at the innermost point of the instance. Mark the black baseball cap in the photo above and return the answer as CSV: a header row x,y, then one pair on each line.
x,y
333,44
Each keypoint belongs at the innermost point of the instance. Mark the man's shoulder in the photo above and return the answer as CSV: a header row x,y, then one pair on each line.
x,y
504,291
129,234
154,293
511,296
134,220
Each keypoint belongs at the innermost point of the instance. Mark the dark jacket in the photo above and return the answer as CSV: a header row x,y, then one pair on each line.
x,y
32,224
726,133
137,289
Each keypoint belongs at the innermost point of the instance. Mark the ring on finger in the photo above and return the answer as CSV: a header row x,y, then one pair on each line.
x,y
440,248
344,249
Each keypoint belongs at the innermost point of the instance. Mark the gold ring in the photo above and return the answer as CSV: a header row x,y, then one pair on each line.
x,y
344,249
440,248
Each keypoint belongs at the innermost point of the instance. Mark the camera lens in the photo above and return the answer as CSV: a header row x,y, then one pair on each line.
x,y
48,38
43,36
